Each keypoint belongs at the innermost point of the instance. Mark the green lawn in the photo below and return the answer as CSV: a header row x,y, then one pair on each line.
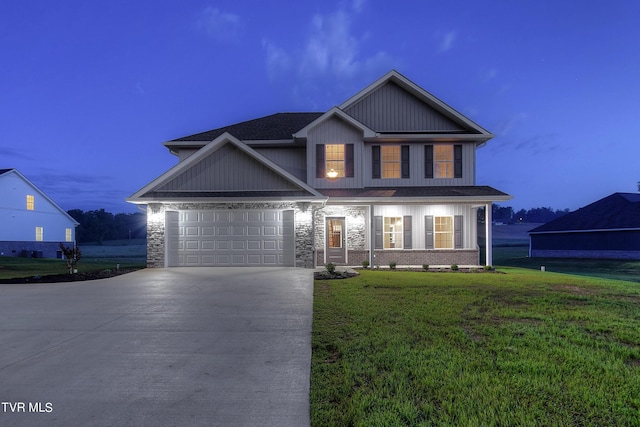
x,y
394,348
94,258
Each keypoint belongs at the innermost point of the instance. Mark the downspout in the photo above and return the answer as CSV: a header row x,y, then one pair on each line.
x,y
488,230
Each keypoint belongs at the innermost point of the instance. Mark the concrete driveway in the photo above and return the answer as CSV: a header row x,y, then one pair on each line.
x,y
159,347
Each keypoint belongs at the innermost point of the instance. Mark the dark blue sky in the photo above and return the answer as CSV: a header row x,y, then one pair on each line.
x,y
89,91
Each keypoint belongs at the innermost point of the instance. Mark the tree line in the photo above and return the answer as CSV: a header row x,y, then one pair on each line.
x,y
99,225
507,215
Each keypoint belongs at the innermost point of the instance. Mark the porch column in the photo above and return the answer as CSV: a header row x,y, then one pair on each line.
x,y
372,239
489,238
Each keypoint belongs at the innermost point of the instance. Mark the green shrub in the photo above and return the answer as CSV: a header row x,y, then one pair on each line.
x,y
365,264
331,268
392,265
425,267
487,268
455,267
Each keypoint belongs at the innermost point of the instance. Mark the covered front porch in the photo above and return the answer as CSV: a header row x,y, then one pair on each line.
x,y
414,234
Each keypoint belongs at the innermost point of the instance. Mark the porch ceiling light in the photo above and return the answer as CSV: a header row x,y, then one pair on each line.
x,y
332,174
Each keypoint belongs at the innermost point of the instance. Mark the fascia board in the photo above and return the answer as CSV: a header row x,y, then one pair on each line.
x,y
304,132
443,137
55,205
147,200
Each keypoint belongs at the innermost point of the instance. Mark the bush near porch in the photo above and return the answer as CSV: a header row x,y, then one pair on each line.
x,y
394,348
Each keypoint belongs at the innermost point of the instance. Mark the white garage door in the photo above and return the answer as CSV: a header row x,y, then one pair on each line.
x,y
235,238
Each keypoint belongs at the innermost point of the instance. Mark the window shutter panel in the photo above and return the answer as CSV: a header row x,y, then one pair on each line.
x,y
404,161
348,160
428,231
321,171
457,232
406,231
457,161
377,229
375,162
428,161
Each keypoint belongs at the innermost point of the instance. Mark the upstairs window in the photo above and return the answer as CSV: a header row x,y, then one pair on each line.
x,y
334,161
390,161
443,161
39,234
30,202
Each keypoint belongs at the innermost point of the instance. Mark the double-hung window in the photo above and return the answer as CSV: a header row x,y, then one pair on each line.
x,y
443,161
39,234
334,161
30,202
392,232
443,232
390,161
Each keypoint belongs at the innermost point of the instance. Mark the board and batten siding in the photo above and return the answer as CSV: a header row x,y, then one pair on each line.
x,y
469,214
227,169
392,109
335,131
293,160
417,168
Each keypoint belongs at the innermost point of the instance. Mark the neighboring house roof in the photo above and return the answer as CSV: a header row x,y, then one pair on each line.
x,y
615,212
277,126
54,204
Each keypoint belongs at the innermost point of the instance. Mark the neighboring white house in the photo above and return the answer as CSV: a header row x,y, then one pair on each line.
x,y
31,224
387,176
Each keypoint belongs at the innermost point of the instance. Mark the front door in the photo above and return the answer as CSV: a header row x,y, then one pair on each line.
x,y
336,241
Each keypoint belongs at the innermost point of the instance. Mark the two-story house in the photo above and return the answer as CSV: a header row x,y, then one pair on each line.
x,y
386,176
31,224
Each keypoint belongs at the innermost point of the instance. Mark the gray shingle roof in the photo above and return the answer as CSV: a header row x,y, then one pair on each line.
x,y
619,210
274,127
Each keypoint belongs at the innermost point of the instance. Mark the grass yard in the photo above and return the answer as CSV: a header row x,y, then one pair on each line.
x,y
94,258
395,348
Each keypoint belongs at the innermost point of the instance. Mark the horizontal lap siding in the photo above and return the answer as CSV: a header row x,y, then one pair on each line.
x,y
594,241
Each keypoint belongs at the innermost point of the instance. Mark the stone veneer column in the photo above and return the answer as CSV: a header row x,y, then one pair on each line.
x,y
155,235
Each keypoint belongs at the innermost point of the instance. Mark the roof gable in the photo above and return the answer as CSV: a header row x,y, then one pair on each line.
x,y
225,166
335,112
8,172
394,104
617,211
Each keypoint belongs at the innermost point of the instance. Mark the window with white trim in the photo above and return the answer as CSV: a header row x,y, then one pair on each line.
x,y
392,232
30,202
68,234
443,232
390,155
335,160
39,234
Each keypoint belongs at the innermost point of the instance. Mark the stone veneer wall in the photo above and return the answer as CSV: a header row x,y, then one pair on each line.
x,y
356,224
156,227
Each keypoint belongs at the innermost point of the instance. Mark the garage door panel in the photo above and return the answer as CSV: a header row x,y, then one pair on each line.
x,y
251,237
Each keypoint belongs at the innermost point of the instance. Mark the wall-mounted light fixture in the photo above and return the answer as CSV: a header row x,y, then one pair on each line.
x,y
332,174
